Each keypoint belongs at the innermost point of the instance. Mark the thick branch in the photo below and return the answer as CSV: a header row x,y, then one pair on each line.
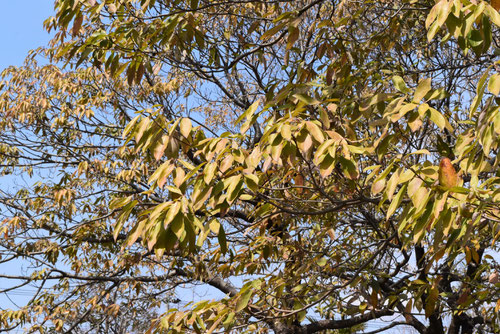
x,y
343,323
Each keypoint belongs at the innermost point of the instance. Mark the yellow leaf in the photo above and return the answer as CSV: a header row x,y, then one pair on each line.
x,y
315,131
186,127
424,86
494,83
378,186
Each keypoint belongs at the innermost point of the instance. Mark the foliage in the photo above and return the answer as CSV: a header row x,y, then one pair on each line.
x,y
322,164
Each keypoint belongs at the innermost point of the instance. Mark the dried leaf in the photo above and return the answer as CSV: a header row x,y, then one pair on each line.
x,y
77,24
448,177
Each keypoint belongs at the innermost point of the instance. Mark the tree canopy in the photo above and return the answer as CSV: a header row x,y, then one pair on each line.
x,y
315,165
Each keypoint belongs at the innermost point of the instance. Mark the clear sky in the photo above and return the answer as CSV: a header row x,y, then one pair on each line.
x,y
21,28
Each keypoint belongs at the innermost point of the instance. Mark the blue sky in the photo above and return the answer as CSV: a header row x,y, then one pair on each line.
x,y
21,28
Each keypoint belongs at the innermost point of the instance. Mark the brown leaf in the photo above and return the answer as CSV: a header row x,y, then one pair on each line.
x,y
463,297
495,4
448,177
112,8
77,24
299,182
493,278
139,73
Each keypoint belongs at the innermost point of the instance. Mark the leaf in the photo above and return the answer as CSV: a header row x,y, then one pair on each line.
x,y
396,202
141,128
130,126
209,172
234,187
221,236
305,144
494,83
177,226
273,31
481,86
243,300
495,4
322,261
326,166
493,14
77,25
136,232
293,36
400,84
306,99
422,151
112,8
438,119
248,113
448,177
173,210
131,69
349,168
286,132
159,150
424,86
378,186
139,73
392,184
185,127
430,302
252,182
226,163
315,131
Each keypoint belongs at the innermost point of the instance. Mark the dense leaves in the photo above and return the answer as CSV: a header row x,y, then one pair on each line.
x,y
317,164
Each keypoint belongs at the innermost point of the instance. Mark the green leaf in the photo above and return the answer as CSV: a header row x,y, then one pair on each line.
x,y
243,300
177,226
349,168
234,187
430,302
306,99
252,182
221,236
322,261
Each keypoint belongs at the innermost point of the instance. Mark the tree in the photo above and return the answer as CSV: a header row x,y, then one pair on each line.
x,y
322,164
